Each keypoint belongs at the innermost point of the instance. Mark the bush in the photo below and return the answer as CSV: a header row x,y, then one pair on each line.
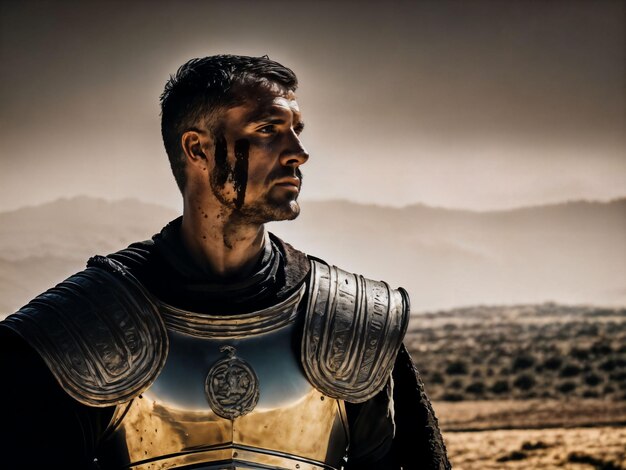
x,y
608,365
535,445
512,456
579,353
452,397
436,378
523,362
457,368
593,379
570,370
475,388
499,387
456,384
618,376
553,363
566,387
524,382
601,349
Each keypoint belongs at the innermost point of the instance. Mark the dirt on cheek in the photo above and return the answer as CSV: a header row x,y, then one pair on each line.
x,y
222,168
240,172
237,174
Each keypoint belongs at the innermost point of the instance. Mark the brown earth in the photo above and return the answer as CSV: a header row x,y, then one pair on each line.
x,y
500,434
602,448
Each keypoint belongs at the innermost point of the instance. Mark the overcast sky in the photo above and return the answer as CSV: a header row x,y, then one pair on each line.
x,y
468,104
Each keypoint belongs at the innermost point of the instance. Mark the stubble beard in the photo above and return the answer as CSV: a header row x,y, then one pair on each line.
x,y
270,210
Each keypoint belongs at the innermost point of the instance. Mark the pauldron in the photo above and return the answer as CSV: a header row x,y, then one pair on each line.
x,y
98,332
104,338
353,329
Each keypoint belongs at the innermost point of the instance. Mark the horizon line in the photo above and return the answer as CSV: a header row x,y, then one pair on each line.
x,y
339,201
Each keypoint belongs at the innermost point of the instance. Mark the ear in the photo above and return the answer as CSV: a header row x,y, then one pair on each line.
x,y
193,144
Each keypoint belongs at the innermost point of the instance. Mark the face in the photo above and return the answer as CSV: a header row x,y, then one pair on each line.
x,y
257,154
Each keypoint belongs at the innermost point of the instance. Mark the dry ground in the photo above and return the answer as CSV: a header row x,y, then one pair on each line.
x,y
601,448
507,434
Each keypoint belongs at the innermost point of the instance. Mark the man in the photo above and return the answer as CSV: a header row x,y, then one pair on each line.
x,y
216,344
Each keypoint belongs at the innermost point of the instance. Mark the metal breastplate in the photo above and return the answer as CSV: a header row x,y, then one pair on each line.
x,y
232,394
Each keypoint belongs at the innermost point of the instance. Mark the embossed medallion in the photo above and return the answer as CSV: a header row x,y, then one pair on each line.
x,y
231,386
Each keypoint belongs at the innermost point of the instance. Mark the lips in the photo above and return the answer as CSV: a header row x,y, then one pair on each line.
x,y
290,182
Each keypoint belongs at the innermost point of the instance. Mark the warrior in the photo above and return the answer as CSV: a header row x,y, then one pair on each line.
x,y
216,345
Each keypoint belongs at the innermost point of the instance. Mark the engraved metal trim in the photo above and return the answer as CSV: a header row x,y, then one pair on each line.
x,y
353,329
233,457
233,326
231,386
99,333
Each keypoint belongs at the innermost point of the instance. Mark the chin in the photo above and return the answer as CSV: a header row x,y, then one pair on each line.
x,y
272,212
286,212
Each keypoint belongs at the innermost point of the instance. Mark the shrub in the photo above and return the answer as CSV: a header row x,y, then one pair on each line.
x,y
535,445
600,464
601,349
618,376
456,384
499,387
523,362
588,329
566,387
608,365
512,456
579,353
553,363
476,388
452,397
593,379
457,368
436,378
570,370
524,382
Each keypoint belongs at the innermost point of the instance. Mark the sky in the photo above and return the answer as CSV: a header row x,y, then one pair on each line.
x,y
478,105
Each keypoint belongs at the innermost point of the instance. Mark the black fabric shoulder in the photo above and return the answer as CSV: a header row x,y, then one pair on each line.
x,y
297,266
418,443
41,424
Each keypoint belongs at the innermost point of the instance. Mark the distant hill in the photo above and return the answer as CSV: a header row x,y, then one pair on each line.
x,y
42,245
571,253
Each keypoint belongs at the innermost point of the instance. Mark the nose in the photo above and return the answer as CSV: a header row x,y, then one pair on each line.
x,y
294,154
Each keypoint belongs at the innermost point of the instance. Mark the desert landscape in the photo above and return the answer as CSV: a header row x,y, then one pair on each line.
x,y
531,386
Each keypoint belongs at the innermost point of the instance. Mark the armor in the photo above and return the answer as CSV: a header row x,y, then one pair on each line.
x,y
263,389
99,333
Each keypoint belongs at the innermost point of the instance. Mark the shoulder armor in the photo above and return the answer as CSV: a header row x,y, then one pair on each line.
x,y
99,333
353,329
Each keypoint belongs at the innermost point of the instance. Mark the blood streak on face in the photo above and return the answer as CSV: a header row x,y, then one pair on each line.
x,y
240,172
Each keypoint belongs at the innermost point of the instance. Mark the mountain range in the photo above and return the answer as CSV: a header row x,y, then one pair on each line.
x,y
573,253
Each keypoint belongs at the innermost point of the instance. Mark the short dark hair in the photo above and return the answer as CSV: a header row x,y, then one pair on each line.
x,y
202,87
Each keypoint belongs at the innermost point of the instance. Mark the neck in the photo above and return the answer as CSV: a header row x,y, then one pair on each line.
x,y
221,243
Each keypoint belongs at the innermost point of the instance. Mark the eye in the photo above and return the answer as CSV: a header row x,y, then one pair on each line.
x,y
298,128
269,129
